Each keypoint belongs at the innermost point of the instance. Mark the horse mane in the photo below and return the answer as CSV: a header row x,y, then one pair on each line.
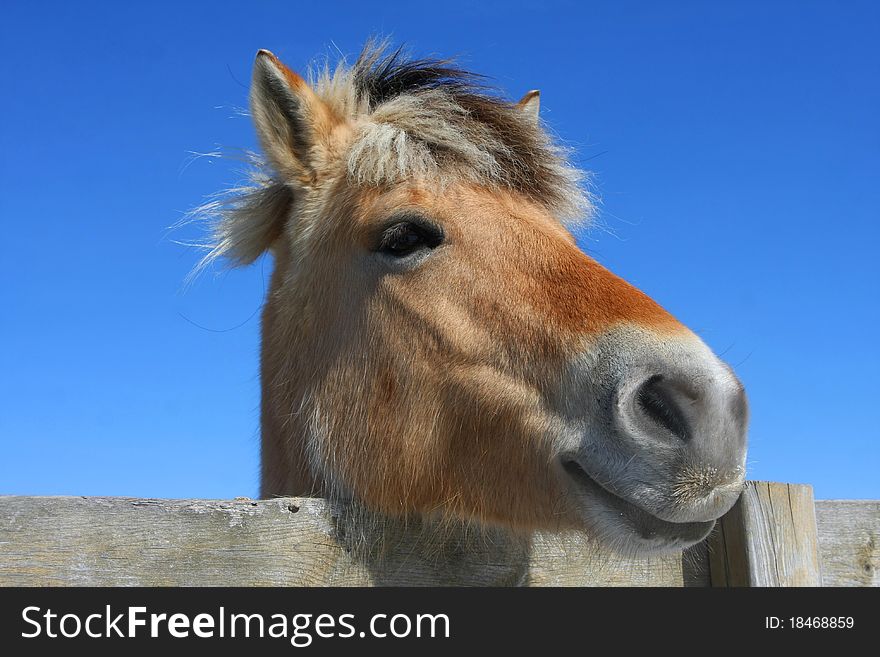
x,y
414,119
429,118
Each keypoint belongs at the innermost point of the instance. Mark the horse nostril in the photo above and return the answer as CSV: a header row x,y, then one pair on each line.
x,y
658,400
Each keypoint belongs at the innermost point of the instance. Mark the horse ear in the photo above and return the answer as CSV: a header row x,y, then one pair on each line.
x,y
290,118
530,104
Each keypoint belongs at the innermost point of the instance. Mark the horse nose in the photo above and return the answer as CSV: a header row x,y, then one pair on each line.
x,y
699,415
667,406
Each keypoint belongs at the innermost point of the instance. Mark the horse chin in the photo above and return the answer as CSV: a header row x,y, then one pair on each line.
x,y
624,527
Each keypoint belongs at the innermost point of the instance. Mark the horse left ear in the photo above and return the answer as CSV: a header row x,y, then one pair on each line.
x,y
292,122
530,104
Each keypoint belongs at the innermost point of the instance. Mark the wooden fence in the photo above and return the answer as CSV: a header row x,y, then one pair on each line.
x,y
775,536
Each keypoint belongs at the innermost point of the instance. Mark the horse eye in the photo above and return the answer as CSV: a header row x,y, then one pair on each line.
x,y
403,238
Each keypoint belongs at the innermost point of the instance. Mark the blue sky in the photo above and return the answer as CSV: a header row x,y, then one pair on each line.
x,y
736,149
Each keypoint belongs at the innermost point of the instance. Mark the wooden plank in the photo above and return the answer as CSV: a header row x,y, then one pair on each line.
x,y
60,541
728,561
849,542
573,561
769,538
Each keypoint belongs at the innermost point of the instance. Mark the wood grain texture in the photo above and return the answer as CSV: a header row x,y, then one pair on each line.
x,y
769,538
849,542
61,541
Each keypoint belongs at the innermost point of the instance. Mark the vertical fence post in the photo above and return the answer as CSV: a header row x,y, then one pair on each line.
x,y
768,538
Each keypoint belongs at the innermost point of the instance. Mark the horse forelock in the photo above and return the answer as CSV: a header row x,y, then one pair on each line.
x,y
430,120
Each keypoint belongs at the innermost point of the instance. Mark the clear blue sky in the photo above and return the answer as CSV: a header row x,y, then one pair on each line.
x,y
736,147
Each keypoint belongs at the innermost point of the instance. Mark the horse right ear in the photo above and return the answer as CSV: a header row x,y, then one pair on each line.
x,y
530,104
291,120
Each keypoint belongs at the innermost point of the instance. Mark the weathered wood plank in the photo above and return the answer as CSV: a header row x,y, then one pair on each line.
x,y
769,538
849,542
728,553
105,541
574,561
59,541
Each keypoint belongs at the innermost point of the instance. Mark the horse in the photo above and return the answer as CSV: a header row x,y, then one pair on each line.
x,y
435,347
